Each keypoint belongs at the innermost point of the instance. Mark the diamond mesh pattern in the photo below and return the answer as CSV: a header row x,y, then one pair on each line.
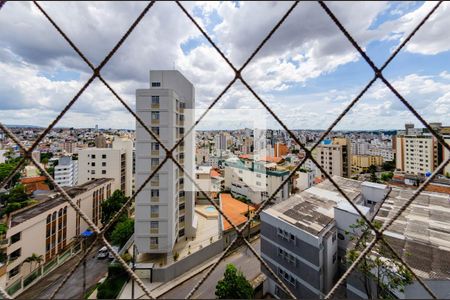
x,y
96,73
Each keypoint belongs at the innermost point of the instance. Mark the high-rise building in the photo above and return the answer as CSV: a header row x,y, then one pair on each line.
x,y
419,152
165,207
69,147
115,162
334,156
221,141
66,172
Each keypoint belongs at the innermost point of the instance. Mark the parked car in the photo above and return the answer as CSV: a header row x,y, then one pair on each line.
x,y
110,255
102,253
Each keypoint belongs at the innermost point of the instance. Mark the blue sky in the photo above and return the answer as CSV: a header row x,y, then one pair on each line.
x,y
307,71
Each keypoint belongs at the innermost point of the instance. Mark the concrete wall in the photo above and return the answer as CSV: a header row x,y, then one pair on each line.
x,y
194,260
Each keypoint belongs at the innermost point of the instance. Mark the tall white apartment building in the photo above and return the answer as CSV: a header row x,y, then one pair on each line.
x,y
66,172
165,207
115,162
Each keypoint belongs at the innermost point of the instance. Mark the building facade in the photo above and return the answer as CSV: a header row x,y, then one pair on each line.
x,y
255,180
361,163
165,207
334,156
66,172
47,229
115,162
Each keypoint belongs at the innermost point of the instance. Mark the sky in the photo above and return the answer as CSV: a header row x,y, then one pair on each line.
x,y
307,72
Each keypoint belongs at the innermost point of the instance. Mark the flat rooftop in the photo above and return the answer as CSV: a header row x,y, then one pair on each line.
x,y
313,209
48,201
421,235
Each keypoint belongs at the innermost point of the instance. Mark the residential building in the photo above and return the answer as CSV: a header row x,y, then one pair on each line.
x,y
305,179
256,179
69,147
115,162
334,156
165,207
48,229
303,240
66,172
361,163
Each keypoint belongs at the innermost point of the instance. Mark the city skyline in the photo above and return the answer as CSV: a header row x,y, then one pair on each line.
x,y
308,86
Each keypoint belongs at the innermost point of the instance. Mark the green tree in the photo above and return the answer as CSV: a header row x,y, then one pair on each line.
x,y
388,165
112,205
6,168
373,176
380,267
387,176
15,194
34,258
234,285
122,232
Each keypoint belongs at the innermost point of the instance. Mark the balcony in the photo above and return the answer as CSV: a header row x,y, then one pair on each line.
x,y
154,182
154,215
154,153
155,105
153,246
154,230
4,242
154,199
182,211
182,199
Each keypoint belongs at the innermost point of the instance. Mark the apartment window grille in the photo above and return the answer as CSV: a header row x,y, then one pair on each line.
x,y
156,84
155,100
378,75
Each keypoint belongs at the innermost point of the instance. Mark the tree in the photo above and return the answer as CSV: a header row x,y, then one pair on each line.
x,y
388,165
15,194
7,167
234,285
122,232
380,266
387,176
112,205
373,177
34,258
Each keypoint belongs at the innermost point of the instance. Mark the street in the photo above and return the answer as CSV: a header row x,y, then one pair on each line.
x,y
73,289
242,258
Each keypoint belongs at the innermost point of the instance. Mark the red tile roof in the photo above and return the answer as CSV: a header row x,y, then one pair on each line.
x,y
234,209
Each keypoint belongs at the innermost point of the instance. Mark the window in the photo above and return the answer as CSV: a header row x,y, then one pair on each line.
x,y
15,238
155,130
341,236
93,156
104,164
155,99
181,219
155,146
93,164
155,193
155,115
334,257
154,162
154,225
15,254
154,240
156,84
154,209
103,171
258,183
103,156
14,272
333,239
92,171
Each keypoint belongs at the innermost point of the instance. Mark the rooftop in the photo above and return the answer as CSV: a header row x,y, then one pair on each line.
x,y
313,209
47,202
421,235
234,209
